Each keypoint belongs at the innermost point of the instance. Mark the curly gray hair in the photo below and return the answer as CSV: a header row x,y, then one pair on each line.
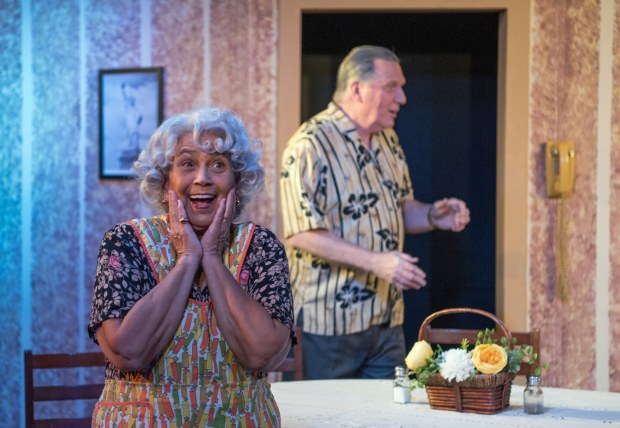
x,y
155,161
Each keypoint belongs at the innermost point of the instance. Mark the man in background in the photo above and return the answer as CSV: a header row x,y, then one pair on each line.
x,y
347,202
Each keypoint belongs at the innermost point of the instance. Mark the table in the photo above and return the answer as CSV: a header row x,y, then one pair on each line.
x,y
369,403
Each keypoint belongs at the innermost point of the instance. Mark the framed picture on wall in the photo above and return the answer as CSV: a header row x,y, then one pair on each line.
x,y
130,110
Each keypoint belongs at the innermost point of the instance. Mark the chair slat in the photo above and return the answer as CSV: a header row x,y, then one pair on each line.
x,y
294,363
63,423
42,362
65,361
58,393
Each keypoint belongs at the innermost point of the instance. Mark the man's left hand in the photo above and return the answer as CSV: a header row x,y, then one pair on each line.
x,y
449,214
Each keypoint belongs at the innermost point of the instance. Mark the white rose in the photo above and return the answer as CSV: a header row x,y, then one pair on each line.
x,y
417,356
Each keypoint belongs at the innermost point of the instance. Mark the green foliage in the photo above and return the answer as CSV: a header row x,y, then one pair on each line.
x,y
421,374
530,357
485,338
516,356
519,354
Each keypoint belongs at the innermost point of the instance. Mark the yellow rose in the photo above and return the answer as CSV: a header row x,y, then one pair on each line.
x,y
490,358
417,356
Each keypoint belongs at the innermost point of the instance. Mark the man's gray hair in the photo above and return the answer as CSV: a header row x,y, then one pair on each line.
x,y
359,64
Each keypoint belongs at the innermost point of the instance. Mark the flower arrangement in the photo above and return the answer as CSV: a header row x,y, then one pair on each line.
x,y
459,364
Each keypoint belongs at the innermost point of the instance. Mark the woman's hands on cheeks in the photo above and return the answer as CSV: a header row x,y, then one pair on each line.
x,y
184,239
215,238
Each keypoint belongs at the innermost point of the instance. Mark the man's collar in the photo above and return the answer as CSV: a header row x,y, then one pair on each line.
x,y
345,123
342,119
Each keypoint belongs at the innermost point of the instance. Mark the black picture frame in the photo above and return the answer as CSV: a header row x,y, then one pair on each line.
x,y
130,110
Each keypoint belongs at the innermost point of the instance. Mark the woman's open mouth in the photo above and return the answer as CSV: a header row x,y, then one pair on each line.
x,y
199,202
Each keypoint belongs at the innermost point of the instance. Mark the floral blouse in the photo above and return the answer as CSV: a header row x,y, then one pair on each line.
x,y
124,276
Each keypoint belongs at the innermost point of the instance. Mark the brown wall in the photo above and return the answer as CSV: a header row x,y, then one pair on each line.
x,y
228,55
568,102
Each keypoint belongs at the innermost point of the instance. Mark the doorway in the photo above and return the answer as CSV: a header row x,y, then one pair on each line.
x,y
513,132
448,129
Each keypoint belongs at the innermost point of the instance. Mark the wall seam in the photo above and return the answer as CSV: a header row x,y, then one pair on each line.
x,y
603,180
83,96
206,35
146,59
81,195
146,35
26,188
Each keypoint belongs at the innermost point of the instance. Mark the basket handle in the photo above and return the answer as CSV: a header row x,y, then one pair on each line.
x,y
428,319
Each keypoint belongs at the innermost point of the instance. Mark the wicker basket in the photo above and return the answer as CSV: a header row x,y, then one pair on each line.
x,y
486,394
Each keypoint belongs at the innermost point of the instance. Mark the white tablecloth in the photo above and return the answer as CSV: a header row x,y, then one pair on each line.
x,y
369,403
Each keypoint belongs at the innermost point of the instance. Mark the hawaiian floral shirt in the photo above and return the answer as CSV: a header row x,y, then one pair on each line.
x,y
330,180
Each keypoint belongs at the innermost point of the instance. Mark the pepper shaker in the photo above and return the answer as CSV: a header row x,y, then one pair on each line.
x,y
402,385
533,396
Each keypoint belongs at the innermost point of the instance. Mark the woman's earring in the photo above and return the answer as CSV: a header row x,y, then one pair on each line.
x,y
238,203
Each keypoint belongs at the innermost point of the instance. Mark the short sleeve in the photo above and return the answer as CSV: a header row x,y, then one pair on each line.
x,y
266,276
303,184
123,276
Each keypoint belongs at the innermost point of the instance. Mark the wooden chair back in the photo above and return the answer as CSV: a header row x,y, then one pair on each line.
x,y
40,393
292,364
454,336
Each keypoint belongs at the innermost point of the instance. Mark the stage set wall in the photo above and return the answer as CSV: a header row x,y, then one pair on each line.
x,y
54,208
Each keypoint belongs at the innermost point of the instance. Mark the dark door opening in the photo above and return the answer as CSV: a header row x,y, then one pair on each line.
x,y
447,129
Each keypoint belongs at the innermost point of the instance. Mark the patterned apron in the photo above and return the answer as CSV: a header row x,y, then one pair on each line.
x,y
197,382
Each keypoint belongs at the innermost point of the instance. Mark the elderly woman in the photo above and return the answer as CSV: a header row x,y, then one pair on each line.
x,y
190,308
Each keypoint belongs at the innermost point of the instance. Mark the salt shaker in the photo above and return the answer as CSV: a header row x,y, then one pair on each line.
x,y
533,396
402,390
